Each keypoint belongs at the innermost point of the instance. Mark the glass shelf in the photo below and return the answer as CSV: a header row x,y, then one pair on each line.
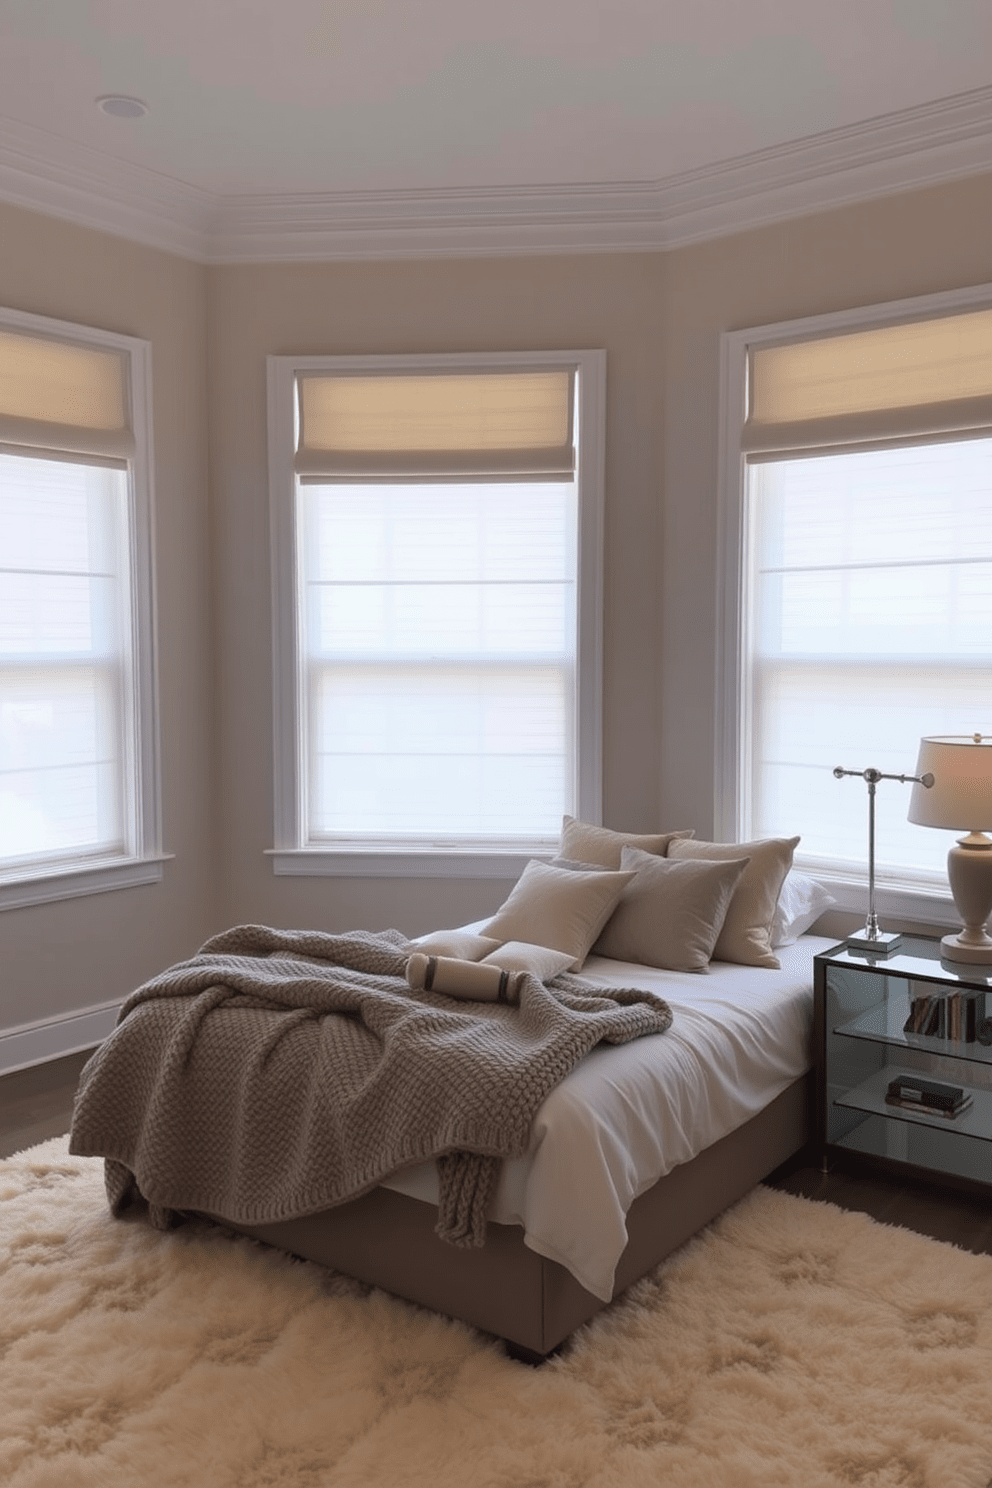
x,y
883,1024
915,960
923,1146
869,1096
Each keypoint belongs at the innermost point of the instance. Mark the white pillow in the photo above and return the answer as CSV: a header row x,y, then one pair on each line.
x,y
583,842
672,913
540,961
558,908
801,902
459,945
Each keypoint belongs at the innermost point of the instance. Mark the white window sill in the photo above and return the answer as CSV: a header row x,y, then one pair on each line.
x,y
441,862
894,900
46,886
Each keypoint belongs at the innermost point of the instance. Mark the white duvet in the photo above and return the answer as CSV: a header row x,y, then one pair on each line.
x,y
629,1114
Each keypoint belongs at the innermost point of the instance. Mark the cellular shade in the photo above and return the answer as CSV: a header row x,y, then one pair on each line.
x,y
439,632
923,376
869,626
455,424
65,605
63,396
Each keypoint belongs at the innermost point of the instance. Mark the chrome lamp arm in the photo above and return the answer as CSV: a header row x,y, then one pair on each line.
x,y
872,938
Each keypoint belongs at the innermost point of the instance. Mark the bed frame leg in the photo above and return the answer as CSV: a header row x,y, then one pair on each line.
x,y
524,1355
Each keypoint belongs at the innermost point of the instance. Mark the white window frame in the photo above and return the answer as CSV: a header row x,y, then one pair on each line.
x,y
894,896
72,876
288,855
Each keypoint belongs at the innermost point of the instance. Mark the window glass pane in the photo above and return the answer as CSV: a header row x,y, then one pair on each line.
x,y
440,627
474,751
64,606
870,626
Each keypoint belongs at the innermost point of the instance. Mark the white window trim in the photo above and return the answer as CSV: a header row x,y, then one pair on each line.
x,y
70,879
924,897
288,857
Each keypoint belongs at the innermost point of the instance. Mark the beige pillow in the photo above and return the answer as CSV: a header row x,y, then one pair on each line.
x,y
672,913
747,930
558,908
584,843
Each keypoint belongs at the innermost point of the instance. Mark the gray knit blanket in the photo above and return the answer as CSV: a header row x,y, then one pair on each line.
x,y
279,1073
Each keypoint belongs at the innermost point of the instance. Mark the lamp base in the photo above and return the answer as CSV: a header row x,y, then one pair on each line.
x,y
953,948
881,944
969,868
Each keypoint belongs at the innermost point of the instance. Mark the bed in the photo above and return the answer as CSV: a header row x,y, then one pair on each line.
x,y
641,1144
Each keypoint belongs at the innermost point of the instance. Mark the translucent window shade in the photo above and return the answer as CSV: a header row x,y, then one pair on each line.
x,y
63,396
439,632
64,656
870,627
470,424
869,377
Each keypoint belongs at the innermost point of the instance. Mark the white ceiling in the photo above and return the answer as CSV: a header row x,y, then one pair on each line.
x,y
299,128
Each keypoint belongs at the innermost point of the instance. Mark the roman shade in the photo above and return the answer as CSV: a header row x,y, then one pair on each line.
x,y
63,396
893,382
504,424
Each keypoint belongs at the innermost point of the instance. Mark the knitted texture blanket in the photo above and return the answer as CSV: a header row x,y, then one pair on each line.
x,y
279,1073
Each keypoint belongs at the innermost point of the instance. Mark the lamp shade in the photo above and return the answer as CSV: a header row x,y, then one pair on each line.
x,y
961,795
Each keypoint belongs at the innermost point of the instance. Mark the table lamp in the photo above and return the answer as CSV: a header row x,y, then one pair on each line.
x,y
961,798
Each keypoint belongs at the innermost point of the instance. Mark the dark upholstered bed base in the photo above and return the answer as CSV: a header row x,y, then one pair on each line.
x,y
388,1239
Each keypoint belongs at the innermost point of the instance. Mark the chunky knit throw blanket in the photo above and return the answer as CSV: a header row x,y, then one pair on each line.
x,y
278,1073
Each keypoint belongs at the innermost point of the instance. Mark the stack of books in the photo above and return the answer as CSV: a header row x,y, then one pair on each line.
x,y
931,1096
948,1015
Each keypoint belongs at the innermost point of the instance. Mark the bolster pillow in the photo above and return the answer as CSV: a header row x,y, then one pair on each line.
x,y
471,980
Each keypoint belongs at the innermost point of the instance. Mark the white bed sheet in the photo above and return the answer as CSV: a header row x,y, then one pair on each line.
x,y
628,1114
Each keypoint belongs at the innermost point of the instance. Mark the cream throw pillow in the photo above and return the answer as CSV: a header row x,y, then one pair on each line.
x,y
746,934
461,945
558,908
540,961
672,913
584,843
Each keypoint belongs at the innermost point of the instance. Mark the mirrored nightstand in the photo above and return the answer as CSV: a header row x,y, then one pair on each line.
x,y
908,1016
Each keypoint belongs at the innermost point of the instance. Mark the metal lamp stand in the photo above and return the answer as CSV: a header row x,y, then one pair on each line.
x,y
879,942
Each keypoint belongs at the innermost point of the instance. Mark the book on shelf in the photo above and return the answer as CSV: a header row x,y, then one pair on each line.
x,y
931,1094
947,1015
921,1110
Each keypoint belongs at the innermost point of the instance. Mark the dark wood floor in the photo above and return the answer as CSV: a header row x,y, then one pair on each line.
x,y
36,1103
930,1209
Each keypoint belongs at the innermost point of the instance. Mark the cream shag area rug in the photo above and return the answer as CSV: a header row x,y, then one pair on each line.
x,y
789,1344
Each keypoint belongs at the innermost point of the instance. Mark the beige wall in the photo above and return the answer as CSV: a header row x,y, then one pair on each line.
x,y
659,317
79,953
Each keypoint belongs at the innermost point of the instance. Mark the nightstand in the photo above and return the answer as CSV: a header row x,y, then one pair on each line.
x,y
867,1012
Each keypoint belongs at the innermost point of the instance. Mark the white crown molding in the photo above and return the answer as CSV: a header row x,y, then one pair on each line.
x,y
70,181
898,152
917,147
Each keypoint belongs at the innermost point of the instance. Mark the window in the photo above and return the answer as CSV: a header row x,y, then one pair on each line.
x,y
437,573
78,786
858,577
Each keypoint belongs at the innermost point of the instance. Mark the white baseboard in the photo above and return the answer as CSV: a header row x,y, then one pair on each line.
x,y
53,1038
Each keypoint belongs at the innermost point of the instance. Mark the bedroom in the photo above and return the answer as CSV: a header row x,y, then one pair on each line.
x,y
657,312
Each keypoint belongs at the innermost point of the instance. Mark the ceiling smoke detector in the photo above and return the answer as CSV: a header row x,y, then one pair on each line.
x,y
119,106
